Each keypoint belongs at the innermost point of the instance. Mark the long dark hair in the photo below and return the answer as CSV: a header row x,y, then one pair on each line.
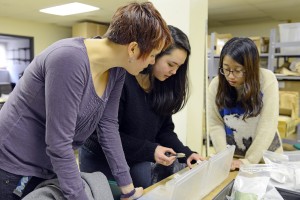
x,y
170,96
244,52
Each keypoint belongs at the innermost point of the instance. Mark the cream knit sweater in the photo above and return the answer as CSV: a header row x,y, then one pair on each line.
x,y
260,131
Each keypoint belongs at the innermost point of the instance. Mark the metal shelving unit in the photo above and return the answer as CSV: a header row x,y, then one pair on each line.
x,y
272,56
212,62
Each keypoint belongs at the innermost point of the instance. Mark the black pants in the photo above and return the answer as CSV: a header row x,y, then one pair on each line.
x,y
143,174
9,182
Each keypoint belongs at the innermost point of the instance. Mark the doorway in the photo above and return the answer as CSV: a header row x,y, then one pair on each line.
x,y
16,52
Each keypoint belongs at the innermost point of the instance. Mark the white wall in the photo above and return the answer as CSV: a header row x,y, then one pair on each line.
x,y
180,21
198,32
44,34
191,17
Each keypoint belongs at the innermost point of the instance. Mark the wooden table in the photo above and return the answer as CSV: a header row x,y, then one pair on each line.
x,y
212,194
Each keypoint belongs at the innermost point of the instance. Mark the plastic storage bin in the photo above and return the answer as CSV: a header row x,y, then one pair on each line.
x,y
183,186
197,182
218,169
289,33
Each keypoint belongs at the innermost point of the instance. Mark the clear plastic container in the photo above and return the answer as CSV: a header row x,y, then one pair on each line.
x,y
289,33
184,185
197,182
218,169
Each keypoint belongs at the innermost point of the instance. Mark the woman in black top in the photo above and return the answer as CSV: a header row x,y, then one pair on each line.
x,y
147,104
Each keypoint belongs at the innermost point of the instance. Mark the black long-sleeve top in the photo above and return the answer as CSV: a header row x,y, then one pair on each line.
x,y
141,129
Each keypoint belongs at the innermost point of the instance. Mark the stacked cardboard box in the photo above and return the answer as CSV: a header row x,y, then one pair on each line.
x,y
289,112
219,42
262,43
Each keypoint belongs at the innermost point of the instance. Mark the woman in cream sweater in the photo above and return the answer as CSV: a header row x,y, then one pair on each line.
x,y
243,104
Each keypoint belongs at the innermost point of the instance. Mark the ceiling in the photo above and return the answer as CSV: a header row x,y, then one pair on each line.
x,y
231,12
220,12
29,10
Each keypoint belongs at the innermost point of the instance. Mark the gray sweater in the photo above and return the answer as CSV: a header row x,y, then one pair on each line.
x,y
53,109
96,188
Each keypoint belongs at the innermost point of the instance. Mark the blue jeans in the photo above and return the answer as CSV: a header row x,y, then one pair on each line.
x,y
90,162
9,182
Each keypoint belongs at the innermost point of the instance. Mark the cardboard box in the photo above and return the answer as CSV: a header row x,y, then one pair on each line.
x,y
289,104
286,126
220,40
289,112
262,43
290,86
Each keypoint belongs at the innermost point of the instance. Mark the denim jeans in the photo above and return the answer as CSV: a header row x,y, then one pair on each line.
x,y
90,162
9,182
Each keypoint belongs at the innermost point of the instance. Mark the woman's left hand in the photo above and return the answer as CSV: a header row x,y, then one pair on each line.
x,y
127,189
193,156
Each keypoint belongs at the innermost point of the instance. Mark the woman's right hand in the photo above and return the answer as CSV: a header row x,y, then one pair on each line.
x,y
160,155
236,164
128,189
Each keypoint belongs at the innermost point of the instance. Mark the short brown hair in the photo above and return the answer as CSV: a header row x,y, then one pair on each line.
x,y
142,23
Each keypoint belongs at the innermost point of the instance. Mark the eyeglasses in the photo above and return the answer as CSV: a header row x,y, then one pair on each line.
x,y
235,73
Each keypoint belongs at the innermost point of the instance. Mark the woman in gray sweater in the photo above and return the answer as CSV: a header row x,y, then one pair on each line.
x,y
67,91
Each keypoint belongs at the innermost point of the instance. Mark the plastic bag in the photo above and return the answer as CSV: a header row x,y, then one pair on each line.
x,y
286,168
253,183
250,184
272,157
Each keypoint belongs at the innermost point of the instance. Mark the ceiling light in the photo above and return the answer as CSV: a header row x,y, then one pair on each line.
x,y
69,9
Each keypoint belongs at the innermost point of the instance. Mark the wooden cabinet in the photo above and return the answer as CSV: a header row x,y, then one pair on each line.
x,y
88,29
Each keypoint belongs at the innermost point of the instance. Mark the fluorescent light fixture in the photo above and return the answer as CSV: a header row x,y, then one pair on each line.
x,y
69,9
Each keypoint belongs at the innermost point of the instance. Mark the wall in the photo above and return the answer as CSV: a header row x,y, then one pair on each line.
x,y
180,118
191,17
44,34
198,32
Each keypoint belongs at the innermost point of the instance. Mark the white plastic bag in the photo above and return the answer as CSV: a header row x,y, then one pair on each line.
x,y
250,184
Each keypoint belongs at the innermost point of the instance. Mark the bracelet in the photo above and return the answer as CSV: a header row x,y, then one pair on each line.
x,y
127,195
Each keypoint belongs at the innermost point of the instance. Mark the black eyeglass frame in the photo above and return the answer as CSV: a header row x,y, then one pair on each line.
x,y
221,69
